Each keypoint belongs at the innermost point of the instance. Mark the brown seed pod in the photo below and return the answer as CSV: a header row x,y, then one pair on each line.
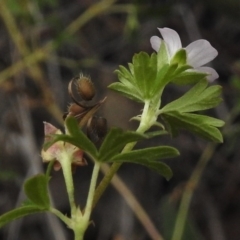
x,y
85,87
97,129
76,111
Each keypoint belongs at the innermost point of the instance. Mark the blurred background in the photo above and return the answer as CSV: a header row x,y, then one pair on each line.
x,y
45,43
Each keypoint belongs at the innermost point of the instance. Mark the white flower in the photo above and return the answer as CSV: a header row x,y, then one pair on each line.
x,y
199,52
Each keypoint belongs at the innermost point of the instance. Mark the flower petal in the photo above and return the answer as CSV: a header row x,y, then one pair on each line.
x,y
155,42
78,158
172,40
200,52
212,73
49,128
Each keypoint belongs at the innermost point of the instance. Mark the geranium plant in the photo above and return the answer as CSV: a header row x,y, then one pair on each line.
x,y
86,137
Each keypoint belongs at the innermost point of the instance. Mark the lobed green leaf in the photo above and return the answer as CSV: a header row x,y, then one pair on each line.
x,y
180,57
201,125
188,77
145,72
129,91
147,157
115,140
164,76
162,56
77,137
200,97
159,167
19,212
36,189
125,76
147,154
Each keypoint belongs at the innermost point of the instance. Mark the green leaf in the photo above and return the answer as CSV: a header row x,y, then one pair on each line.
x,y
58,137
78,138
127,85
188,77
200,97
162,56
180,57
201,125
114,142
145,72
130,92
147,154
181,69
155,133
36,189
18,213
164,76
159,167
125,76
148,157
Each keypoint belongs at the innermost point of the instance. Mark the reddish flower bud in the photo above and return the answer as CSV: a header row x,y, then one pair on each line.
x,y
55,152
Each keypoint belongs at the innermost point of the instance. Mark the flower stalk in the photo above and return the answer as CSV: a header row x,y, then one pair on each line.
x,y
89,204
81,219
146,121
66,164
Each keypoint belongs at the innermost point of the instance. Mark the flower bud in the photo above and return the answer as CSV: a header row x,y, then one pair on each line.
x,y
57,152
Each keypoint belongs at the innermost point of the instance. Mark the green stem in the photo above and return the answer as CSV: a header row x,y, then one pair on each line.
x,y
91,192
82,222
146,119
49,168
65,219
105,182
145,123
66,164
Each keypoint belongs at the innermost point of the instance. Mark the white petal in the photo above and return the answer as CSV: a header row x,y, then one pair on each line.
x,y
172,40
200,52
155,42
212,73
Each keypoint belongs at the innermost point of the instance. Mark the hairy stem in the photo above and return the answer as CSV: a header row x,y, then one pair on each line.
x,y
66,164
91,192
109,175
144,125
65,219
82,222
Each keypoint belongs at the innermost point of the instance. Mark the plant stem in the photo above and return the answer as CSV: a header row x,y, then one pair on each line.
x,y
66,164
105,182
145,123
49,168
65,219
91,192
82,222
109,175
